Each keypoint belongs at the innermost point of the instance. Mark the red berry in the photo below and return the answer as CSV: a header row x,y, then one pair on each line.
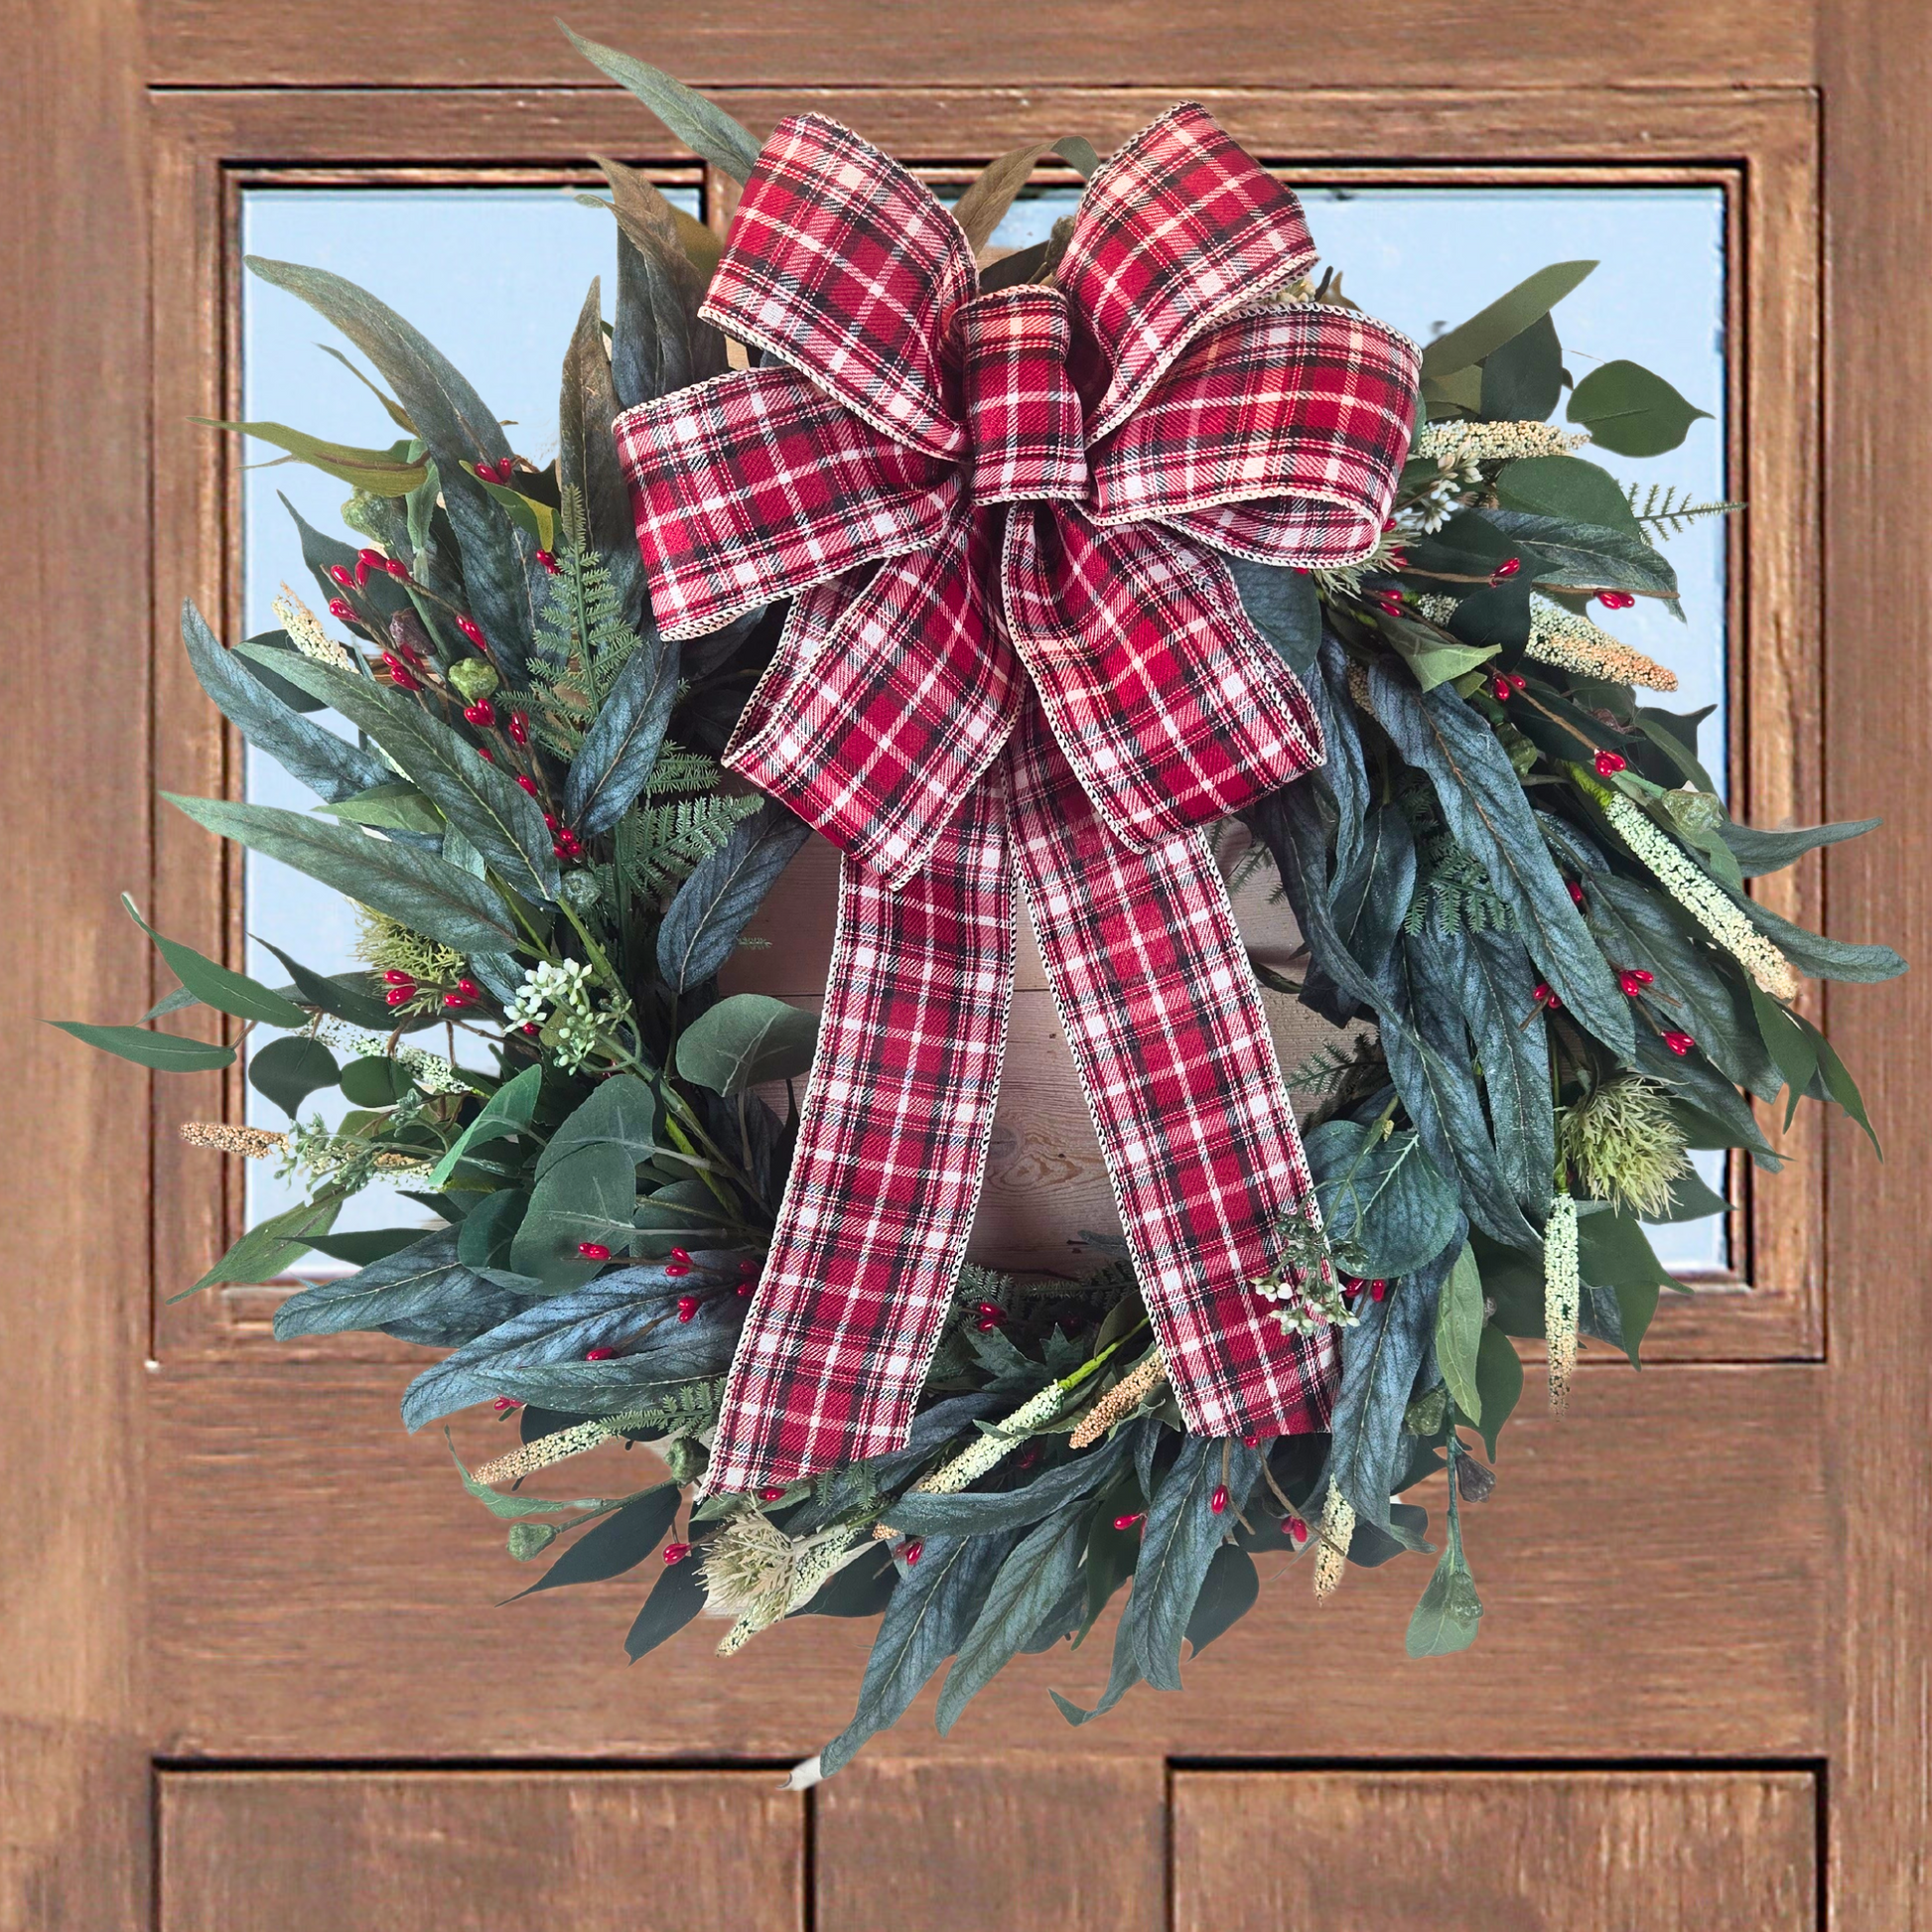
x,y
519,727
914,1551
487,471
1377,1288
676,1552
400,675
341,610
1398,559
399,996
1128,1522
396,568
1544,997
986,1325
342,574
1518,682
394,978
482,713
1633,980
1615,600
473,631
548,562
676,1270
1505,570
1576,890
1294,1529
748,1288
456,1001
593,1251
1388,523
1249,1441
1609,764
681,1255
485,754
1499,688
772,1493
366,561
529,784
504,1404
598,1354
687,1306
748,1265
1679,1043
1219,1502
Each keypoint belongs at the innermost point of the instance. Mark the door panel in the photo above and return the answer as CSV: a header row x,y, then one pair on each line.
x,y
1008,1844
1510,1852
478,1851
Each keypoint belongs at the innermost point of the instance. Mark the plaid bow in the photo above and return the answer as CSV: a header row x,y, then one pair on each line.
x,y
1012,645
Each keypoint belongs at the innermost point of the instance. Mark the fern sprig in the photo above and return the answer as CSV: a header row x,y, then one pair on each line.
x,y
582,640
1669,510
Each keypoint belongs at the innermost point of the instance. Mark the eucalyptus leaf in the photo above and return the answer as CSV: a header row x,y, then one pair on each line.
x,y
587,1198
274,1246
1229,1591
507,1112
1522,381
1459,1333
1386,1200
1502,321
1629,410
1563,555
1499,1383
745,1040
1568,489
165,1053
622,1111
287,1071
1447,1617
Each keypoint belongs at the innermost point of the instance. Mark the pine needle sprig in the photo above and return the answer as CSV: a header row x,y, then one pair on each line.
x,y
1670,510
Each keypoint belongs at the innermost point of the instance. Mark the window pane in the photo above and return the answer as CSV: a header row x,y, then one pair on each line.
x,y
494,277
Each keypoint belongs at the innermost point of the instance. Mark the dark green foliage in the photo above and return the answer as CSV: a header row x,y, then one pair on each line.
x,y
714,906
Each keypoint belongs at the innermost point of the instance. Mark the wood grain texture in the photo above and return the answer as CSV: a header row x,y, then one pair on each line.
x,y
1510,1852
487,1852
975,1841
73,1845
1876,56
1046,1182
467,43
321,1585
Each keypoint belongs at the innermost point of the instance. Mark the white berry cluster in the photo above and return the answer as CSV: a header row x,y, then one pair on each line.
x,y
558,999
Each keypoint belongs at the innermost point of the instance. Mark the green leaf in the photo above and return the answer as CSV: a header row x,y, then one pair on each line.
x,y
423,1280
1584,556
361,1246
459,430
166,1053
1458,1334
1627,410
1758,852
1483,805
1445,1619
745,1040
1387,1201
376,472
988,196
396,807
1035,1578
1796,1054
312,755
1568,489
427,895
1614,1253
1178,1543
1280,604
622,745
587,453
972,1512
933,1608
1499,1383
591,1197
1497,987
708,131
1840,1084
1818,957
502,822
714,906
620,1111
675,1599
1522,381
1230,1589
507,1112
375,1080
1429,655
618,1544
343,996
535,518
273,1247
1692,1198
1502,321
1379,1361
289,1070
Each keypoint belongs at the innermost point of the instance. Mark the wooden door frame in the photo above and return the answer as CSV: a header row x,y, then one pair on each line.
x,y
79,1724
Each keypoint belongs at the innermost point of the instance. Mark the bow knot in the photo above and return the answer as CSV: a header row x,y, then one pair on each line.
x,y
1014,647
1022,413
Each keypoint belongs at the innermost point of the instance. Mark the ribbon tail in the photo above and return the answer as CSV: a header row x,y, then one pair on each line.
x,y
1172,1047
892,1151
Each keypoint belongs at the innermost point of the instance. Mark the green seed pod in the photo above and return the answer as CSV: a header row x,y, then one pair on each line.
x,y
529,1540
474,677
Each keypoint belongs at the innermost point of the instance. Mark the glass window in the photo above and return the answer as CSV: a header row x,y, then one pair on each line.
x,y
496,277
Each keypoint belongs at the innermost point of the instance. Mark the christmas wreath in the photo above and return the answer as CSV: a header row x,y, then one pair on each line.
x,y
1028,565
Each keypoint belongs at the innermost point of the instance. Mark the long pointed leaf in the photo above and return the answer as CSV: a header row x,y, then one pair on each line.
x,y
708,131
621,745
713,907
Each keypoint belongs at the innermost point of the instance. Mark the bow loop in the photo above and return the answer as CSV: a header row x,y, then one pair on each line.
x,y
1022,417
842,266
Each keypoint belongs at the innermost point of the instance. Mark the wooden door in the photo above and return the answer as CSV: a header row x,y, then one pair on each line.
x,y
252,1674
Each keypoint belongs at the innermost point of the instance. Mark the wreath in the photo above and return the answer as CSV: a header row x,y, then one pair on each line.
x,y
1519,892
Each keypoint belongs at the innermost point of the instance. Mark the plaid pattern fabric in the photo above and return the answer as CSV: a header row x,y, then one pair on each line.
x,y
997,513
892,1147
1167,1031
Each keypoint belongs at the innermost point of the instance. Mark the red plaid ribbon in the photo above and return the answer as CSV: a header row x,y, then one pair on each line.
x,y
1012,643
